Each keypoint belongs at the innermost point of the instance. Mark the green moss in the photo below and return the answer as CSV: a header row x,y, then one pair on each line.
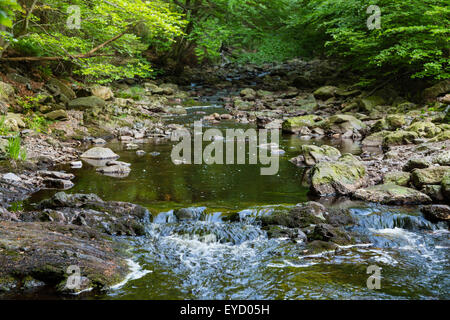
x,y
293,125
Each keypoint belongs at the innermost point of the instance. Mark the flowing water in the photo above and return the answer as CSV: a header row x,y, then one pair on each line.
x,y
213,258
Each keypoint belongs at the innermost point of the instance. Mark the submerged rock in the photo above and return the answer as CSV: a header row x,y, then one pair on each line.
x,y
338,177
392,194
120,169
328,233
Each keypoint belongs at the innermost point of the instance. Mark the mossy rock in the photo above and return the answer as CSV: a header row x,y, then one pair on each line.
x,y
443,136
392,194
396,121
86,103
301,216
294,125
311,154
437,90
446,187
424,129
325,92
342,123
368,104
338,177
57,115
375,139
432,175
318,246
328,233
63,88
399,178
400,137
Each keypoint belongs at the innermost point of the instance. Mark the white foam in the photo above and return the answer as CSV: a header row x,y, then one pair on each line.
x,y
136,273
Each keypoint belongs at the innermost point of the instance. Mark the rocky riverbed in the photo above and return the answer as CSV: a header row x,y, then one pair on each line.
x,y
402,158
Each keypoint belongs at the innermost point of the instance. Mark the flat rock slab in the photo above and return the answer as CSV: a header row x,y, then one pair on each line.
x,y
40,253
392,194
99,153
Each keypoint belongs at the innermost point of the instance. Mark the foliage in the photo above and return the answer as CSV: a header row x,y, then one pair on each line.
x,y
7,8
3,130
44,30
14,149
29,103
413,38
37,123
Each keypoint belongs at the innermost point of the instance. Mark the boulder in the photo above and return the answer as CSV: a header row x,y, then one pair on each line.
x,y
328,233
39,254
301,216
86,103
110,217
399,137
437,90
436,213
342,123
311,155
296,124
248,94
61,88
396,121
424,129
57,115
338,177
307,103
368,104
443,158
243,105
99,153
325,92
102,92
446,187
443,136
432,175
399,178
392,194
416,163
375,139
6,91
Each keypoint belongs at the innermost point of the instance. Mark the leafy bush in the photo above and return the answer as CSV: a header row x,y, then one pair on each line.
x,y
413,38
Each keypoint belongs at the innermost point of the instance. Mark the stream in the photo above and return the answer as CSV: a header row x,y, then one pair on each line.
x,y
211,258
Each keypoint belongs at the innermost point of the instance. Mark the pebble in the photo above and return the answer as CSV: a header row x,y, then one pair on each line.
x,y
140,152
76,164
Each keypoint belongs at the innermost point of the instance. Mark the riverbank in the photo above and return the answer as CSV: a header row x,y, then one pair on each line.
x,y
404,160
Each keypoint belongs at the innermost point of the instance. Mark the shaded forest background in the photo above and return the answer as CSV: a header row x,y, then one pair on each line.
x,y
118,39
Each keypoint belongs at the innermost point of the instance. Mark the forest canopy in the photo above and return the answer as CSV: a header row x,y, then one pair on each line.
x,y
122,38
